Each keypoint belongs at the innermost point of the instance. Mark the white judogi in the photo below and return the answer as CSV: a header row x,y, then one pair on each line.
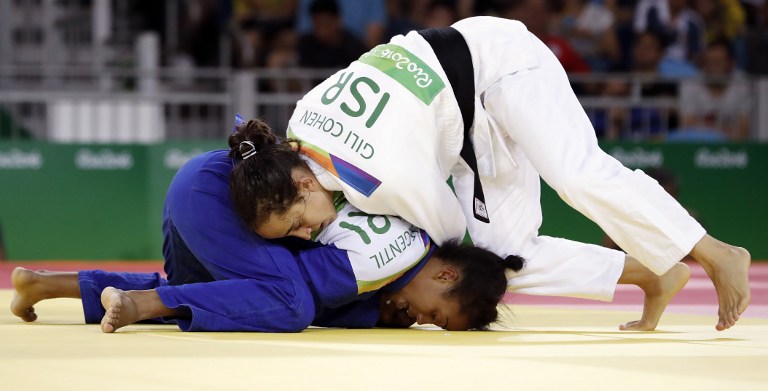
x,y
387,131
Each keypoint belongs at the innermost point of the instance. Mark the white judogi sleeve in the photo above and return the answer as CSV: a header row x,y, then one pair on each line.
x,y
380,248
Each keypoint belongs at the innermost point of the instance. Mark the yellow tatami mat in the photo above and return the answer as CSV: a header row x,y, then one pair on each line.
x,y
541,348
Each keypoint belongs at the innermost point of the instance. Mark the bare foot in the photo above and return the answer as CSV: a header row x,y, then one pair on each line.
x,y
657,295
128,307
729,271
26,294
33,286
121,309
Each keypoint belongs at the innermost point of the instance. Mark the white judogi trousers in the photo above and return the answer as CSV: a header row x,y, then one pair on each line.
x,y
529,124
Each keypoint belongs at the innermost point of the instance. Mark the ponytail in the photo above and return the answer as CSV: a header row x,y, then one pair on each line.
x,y
255,134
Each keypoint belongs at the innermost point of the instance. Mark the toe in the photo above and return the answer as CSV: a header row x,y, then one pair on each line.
x,y
29,316
721,325
636,325
107,327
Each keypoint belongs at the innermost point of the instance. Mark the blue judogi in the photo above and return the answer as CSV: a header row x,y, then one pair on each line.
x,y
229,279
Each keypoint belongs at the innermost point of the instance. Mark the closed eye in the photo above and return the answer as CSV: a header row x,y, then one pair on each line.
x,y
292,228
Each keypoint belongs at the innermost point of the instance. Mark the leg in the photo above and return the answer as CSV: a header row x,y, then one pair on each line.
x,y
554,266
659,290
540,113
128,307
33,286
728,268
277,305
560,267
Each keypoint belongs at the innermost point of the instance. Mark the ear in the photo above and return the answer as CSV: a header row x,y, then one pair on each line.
x,y
447,274
306,184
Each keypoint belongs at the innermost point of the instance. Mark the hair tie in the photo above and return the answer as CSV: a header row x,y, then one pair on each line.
x,y
248,153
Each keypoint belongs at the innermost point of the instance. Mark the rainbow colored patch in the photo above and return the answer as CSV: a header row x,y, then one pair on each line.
x,y
353,176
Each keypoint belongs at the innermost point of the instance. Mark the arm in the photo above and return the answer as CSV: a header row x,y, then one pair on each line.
x,y
203,230
370,252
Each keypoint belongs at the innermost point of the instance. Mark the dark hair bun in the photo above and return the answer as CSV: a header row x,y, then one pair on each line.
x,y
256,131
514,262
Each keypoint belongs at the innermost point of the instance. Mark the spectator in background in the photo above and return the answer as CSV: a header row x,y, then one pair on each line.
x,y
648,61
757,43
406,15
467,8
205,27
648,54
537,16
439,13
151,15
588,26
200,28
680,27
638,121
260,22
724,19
624,16
611,119
399,18
720,102
753,10
328,45
282,53
365,19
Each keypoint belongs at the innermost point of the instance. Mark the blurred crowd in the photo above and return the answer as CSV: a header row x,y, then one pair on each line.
x,y
717,40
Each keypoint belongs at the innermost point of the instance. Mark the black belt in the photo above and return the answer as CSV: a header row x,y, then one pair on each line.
x,y
453,54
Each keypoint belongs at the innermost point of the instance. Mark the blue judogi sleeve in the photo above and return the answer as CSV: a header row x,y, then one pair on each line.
x,y
203,233
332,281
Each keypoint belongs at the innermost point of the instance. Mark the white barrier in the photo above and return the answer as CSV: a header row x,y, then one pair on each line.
x,y
120,121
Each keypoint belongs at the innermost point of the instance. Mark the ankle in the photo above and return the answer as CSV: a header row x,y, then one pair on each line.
x,y
148,304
